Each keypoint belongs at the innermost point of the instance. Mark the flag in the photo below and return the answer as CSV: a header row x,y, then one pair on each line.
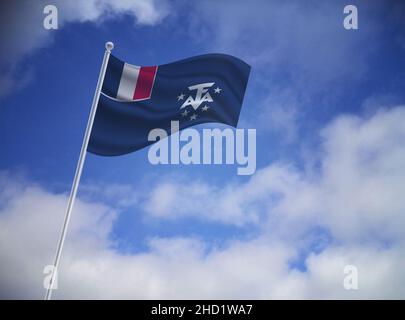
x,y
136,99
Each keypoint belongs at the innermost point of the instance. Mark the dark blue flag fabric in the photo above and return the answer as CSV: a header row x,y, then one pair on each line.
x,y
136,100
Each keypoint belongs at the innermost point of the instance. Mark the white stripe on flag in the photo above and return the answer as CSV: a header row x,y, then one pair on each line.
x,y
128,81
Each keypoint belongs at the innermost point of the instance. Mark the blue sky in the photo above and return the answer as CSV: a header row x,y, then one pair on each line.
x,y
326,104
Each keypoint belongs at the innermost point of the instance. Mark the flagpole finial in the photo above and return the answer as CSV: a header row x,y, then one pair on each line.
x,y
109,46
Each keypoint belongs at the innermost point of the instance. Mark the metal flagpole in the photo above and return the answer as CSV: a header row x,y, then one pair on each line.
x,y
108,46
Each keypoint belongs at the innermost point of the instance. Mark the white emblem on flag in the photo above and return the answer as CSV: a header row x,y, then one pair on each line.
x,y
202,95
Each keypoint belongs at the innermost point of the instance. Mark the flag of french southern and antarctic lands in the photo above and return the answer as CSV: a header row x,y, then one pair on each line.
x,y
135,100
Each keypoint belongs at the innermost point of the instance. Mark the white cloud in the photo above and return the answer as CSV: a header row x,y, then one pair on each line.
x,y
147,12
356,196
174,199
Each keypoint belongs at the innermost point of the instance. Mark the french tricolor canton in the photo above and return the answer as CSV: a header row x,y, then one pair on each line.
x,y
131,83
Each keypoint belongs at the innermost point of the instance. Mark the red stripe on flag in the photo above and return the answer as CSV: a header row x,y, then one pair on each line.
x,y
145,81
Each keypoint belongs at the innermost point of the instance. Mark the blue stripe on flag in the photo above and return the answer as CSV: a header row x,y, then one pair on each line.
x,y
113,77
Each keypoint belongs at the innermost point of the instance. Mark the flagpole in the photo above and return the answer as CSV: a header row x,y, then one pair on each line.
x,y
108,47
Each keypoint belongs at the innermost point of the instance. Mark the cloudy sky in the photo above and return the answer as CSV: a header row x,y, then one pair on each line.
x,y
329,108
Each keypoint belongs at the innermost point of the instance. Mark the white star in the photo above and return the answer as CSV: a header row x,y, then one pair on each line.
x,y
185,113
205,108
217,90
180,97
193,117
